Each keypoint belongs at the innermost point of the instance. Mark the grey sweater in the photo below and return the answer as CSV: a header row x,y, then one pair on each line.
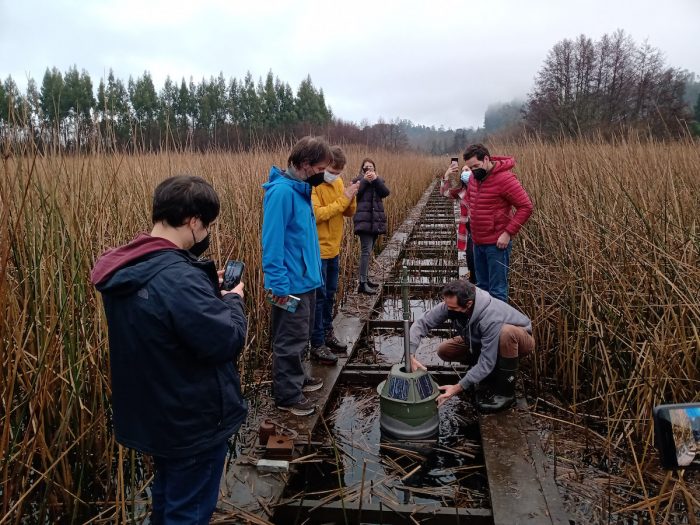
x,y
484,326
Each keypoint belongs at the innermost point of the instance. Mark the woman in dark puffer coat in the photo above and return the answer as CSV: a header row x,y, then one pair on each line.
x,y
369,219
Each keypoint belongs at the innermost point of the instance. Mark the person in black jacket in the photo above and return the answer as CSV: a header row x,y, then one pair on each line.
x,y
174,339
369,219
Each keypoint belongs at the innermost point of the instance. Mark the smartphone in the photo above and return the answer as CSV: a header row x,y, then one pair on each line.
x,y
291,304
677,435
232,274
455,160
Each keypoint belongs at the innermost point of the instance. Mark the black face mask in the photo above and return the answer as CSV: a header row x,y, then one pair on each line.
x,y
479,174
454,315
316,179
198,248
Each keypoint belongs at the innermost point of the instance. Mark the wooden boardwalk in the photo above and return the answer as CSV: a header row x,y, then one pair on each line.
x,y
521,487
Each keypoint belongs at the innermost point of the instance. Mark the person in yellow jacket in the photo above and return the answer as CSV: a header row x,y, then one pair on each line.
x,y
332,202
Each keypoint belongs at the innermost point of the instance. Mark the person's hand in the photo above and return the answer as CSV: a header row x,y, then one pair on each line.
x,y
452,170
220,273
447,392
282,299
351,190
370,175
417,365
238,289
503,240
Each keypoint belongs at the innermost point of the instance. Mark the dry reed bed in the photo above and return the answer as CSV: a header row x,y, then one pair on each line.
x,y
607,268
58,214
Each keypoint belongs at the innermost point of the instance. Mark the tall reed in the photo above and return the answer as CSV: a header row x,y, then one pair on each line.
x,y
59,458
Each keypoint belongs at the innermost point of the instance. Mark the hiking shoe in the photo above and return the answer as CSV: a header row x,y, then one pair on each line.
x,y
365,288
311,384
323,355
334,344
305,407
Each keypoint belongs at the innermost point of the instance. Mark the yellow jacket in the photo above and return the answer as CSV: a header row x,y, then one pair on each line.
x,y
330,206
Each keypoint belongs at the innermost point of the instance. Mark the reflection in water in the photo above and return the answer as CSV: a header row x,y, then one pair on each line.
x,y
449,471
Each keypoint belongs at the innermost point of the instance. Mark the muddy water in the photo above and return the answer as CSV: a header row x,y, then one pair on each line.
x,y
441,471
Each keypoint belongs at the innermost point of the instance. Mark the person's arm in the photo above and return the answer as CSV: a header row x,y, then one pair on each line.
x,y
364,184
380,188
449,191
421,327
330,210
352,208
516,195
212,328
487,359
276,215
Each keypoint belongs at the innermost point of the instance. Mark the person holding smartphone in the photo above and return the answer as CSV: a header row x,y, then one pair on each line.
x,y
369,219
174,340
454,186
291,260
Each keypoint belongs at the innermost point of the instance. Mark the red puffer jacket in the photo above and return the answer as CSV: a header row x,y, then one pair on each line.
x,y
492,200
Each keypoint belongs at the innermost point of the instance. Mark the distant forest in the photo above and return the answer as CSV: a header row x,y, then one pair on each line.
x,y
584,88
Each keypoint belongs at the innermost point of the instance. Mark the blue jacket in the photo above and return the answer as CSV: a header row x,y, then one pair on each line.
x,y
291,254
173,342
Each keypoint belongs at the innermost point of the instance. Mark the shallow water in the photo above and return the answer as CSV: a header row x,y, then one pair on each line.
x,y
443,475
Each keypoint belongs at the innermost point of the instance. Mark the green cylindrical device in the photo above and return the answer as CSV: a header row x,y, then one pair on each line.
x,y
407,398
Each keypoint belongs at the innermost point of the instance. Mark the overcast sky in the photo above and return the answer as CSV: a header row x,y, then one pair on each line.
x,y
436,62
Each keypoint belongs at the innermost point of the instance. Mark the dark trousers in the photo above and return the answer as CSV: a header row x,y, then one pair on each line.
x,y
185,490
470,259
325,299
290,337
367,241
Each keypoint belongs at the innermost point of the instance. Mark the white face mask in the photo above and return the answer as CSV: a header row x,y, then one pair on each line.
x,y
465,176
330,177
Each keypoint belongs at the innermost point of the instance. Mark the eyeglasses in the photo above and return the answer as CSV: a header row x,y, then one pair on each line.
x,y
367,168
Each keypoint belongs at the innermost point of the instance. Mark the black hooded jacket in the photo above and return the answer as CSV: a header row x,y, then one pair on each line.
x,y
174,341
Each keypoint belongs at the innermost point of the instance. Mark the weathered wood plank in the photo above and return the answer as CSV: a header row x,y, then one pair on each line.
x,y
521,492
313,511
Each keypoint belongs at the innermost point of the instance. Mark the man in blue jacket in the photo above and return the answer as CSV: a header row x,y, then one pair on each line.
x,y
174,340
292,266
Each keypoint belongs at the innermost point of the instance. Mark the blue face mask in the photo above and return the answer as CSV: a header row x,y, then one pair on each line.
x,y
464,177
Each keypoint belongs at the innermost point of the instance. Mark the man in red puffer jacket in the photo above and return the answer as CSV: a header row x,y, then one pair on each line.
x,y
498,207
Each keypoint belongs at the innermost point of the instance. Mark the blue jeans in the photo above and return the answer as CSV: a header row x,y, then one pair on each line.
x,y
325,299
491,265
185,490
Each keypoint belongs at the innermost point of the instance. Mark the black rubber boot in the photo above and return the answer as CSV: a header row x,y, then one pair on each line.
x,y
485,389
504,394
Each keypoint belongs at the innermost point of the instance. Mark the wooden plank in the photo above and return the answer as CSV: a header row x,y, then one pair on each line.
x,y
374,377
315,511
521,492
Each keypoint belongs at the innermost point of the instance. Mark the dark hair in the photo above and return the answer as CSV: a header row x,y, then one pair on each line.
x,y
462,289
367,159
476,150
182,197
339,159
313,150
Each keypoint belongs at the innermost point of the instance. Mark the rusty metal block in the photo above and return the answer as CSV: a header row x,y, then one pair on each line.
x,y
279,447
